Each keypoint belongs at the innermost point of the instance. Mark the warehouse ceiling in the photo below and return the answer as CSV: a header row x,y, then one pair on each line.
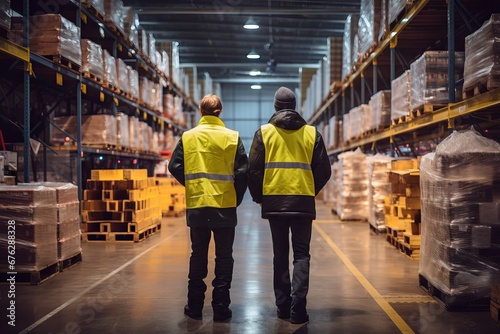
x,y
292,34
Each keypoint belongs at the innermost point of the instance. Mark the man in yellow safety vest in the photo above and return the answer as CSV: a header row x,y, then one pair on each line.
x,y
288,166
211,162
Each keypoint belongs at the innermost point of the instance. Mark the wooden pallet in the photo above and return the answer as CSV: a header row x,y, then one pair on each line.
x,y
70,261
482,86
111,87
33,277
402,119
121,236
411,252
92,77
377,229
460,302
425,109
93,10
63,61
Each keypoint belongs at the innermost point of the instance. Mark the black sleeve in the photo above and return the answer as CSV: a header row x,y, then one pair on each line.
x,y
176,164
256,162
240,172
320,164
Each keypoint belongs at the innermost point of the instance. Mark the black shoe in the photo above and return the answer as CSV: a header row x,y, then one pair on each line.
x,y
222,314
299,319
193,314
283,314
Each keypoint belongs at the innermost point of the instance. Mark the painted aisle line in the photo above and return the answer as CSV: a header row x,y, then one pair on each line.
x,y
391,313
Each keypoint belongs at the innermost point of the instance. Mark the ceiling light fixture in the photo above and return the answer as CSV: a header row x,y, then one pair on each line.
x,y
254,73
253,55
257,86
251,24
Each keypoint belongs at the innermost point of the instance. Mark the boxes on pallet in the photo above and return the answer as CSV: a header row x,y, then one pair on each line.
x,y
92,59
459,247
380,109
400,96
369,24
350,33
379,188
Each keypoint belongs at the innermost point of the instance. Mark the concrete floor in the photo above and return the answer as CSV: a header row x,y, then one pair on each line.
x,y
359,284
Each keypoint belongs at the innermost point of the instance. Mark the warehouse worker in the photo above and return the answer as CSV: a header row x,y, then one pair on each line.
x,y
211,162
288,166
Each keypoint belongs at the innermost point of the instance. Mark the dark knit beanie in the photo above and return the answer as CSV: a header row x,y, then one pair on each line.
x,y
284,98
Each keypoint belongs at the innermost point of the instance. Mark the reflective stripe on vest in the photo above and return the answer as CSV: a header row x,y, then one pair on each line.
x,y
209,153
288,160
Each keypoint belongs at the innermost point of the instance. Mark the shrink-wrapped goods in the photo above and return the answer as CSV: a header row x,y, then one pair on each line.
x,y
134,134
396,7
5,14
429,78
460,217
97,4
122,130
96,129
114,12
380,109
368,24
355,117
400,96
92,59
350,31
482,55
133,79
333,139
122,76
346,122
379,188
334,185
110,74
131,25
54,35
353,186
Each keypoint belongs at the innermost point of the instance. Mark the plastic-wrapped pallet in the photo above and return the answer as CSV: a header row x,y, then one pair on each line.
x,y
143,42
350,31
131,25
145,91
460,218
333,139
133,78
92,59
114,12
54,35
384,20
334,58
400,96
33,211
380,187
368,24
110,74
356,119
122,130
482,55
5,14
396,7
122,75
353,186
96,129
380,109
334,184
152,47
168,105
134,134
429,78
158,97
97,4
346,121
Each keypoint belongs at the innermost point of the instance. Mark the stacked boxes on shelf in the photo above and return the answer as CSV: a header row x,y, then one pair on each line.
x,y
29,232
369,25
460,220
482,57
380,110
400,96
350,35
402,207
353,186
120,205
172,194
92,60
379,167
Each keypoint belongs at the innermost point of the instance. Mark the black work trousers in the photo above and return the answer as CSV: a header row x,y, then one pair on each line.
x,y
291,296
198,266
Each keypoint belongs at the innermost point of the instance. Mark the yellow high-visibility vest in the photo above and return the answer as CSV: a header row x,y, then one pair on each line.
x,y
288,160
209,153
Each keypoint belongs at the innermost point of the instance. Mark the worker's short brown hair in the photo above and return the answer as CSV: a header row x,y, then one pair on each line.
x,y
210,105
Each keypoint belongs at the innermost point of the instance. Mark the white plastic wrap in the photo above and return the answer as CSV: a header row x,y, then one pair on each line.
x,y
429,78
27,195
396,7
114,12
97,4
96,129
131,25
350,30
110,73
380,109
65,192
369,24
54,35
133,78
145,89
151,47
356,122
384,20
400,95
122,74
353,186
380,187
482,55
143,42
134,134
460,201
346,122
165,63
92,58
122,130
5,14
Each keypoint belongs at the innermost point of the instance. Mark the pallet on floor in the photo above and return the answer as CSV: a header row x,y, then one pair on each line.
x,y
459,302
70,261
33,277
121,236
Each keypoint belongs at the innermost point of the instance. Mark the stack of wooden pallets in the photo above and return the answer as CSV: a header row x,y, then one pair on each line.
x,y
120,205
172,193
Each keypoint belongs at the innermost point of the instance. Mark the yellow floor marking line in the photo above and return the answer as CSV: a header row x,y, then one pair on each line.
x,y
391,313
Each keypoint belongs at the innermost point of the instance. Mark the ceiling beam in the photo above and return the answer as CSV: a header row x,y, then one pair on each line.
x,y
248,65
256,80
228,10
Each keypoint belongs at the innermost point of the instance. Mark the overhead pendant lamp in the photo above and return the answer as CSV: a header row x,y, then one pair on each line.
x,y
251,24
256,86
254,73
253,55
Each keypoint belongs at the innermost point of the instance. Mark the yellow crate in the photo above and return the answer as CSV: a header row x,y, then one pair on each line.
x,y
106,174
412,203
135,174
404,164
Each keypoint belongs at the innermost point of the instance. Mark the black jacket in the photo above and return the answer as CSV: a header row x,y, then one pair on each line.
x,y
289,205
213,217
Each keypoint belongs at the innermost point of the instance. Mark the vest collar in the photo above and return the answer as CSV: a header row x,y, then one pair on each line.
x,y
211,120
